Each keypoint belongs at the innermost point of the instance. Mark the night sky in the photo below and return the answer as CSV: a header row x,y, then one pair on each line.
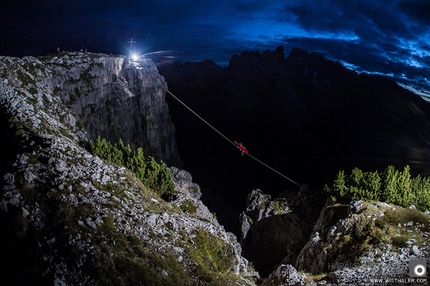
x,y
388,37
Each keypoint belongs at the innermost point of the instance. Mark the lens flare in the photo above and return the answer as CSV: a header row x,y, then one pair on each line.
x,y
161,57
135,57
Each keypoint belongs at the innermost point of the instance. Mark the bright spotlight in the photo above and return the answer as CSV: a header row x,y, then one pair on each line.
x,y
134,57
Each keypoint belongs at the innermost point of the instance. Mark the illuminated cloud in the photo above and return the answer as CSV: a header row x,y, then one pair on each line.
x,y
389,37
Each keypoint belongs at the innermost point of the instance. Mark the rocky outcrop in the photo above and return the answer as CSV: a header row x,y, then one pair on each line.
x,y
189,194
363,241
359,243
275,230
285,274
108,96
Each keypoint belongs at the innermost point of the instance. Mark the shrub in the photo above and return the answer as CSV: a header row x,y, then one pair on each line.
x,y
152,174
395,227
391,186
213,256
188,206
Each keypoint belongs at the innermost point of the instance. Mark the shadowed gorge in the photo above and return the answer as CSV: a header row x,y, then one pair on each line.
x,y
304,115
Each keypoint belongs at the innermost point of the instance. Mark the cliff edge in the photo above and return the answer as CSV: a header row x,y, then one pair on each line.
x,y
107,96
68,217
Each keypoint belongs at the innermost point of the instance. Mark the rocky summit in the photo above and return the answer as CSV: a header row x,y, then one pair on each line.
x,y
102,95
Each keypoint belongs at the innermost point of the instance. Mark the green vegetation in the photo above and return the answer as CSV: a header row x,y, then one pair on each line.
x,y
279,205
127,260
80,125
153,175
188,207
310,277
116,258
393,226
213,256
391,186
397,226
378,226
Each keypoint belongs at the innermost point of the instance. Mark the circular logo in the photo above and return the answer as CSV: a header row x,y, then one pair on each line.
x,y
419,270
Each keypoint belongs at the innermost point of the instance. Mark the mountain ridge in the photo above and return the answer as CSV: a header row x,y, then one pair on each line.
x,y
303,115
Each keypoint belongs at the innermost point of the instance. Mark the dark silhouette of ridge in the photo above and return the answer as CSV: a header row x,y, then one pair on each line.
x,y
304,115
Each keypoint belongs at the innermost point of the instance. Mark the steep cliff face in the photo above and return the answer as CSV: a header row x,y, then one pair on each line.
x,y
275,230
110,96
69,218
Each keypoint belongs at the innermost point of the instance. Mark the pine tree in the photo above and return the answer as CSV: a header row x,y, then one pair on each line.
x,y
151,173
422,193
406,195
389,185
372,185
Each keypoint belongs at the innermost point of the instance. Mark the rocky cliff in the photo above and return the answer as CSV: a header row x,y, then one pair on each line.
x,y
275,230
362,241
359,243
69,218
109,96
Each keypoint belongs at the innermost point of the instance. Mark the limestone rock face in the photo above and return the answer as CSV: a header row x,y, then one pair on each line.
x,y
70,218
275,230
351,244
189,193
285,274
107,95
313,257
360,241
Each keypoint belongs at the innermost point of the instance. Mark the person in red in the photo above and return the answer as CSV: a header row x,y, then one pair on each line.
x,y
241,148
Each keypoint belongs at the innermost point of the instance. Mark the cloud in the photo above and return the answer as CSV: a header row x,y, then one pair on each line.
x,y
386,36
364,18
418,11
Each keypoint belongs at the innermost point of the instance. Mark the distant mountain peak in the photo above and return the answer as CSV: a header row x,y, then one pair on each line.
x,y
298,53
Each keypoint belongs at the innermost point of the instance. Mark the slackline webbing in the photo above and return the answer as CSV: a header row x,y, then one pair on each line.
x,y
230,141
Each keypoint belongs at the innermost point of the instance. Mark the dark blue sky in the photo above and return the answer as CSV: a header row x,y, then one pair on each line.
x,y
388,37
